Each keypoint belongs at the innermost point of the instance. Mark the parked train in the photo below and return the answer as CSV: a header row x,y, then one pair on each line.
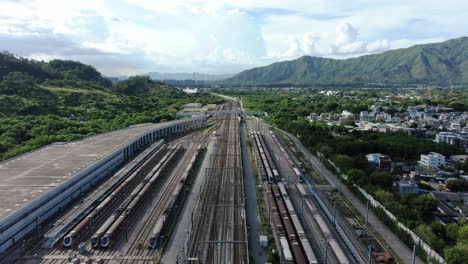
x,y
299,245
267,168
114,197
334,246
155,237
293,164
107,232
302,240
158,232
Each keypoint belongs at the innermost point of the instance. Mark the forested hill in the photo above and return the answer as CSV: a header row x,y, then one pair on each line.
x,y
53,70
436,63
60,100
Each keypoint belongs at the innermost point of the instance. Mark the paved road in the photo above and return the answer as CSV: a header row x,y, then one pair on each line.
x,y
390,238
251,206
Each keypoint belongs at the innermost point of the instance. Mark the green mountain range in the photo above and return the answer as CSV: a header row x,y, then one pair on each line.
x,y
436,63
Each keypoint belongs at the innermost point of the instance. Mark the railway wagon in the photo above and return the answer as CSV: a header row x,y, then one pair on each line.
x,y
95,238
268,169
261,167
157,234
298,174
276,192
289,205
297,253
271,201
297,224
302,190
338,252
75,232
289,228
309,253
135,202
282,188
323,227
288,258
275,174
282,207
115,196
311,207
110,235
336,249
110,227
156,238
277,223
110,223
274,214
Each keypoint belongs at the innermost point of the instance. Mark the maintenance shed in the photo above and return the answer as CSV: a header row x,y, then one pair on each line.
x,y
36,185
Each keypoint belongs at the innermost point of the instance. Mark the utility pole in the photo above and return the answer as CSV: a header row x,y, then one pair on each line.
x,y
339,189
326,253
414,254
367,213
370,254
334,213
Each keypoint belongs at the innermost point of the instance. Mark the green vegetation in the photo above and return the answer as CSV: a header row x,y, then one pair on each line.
x,y
42,103
429,63
458,185
347,148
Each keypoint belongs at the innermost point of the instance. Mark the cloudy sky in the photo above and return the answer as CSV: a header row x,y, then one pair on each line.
x,y
123,37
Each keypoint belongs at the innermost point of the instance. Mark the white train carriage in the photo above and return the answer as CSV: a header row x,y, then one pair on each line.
x,y
275,174
311,207
289,205
156,233
322,225
297,224
286,250
311,258
338,252
298,173
302,190
282,188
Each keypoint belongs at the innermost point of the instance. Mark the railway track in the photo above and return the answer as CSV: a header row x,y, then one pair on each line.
x,y
149,191
140,246
282,207
219,230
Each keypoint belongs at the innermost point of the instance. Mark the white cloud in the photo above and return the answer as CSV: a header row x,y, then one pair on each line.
x,y
298,46
348,43
219,35
309,41
347,34
378,46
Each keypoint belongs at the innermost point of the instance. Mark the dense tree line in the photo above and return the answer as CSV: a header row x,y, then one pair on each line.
x,y
42,103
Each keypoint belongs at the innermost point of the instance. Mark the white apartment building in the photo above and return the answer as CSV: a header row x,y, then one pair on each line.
x,y
457,139
432,160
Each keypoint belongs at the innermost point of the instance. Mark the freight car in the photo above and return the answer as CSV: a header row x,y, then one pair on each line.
x,y
338,252
155,237
286,250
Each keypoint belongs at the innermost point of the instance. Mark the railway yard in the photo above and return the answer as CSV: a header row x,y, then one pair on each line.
x,y
323,225
129,213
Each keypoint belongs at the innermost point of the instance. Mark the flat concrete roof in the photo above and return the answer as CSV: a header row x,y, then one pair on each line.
x,y
25,178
